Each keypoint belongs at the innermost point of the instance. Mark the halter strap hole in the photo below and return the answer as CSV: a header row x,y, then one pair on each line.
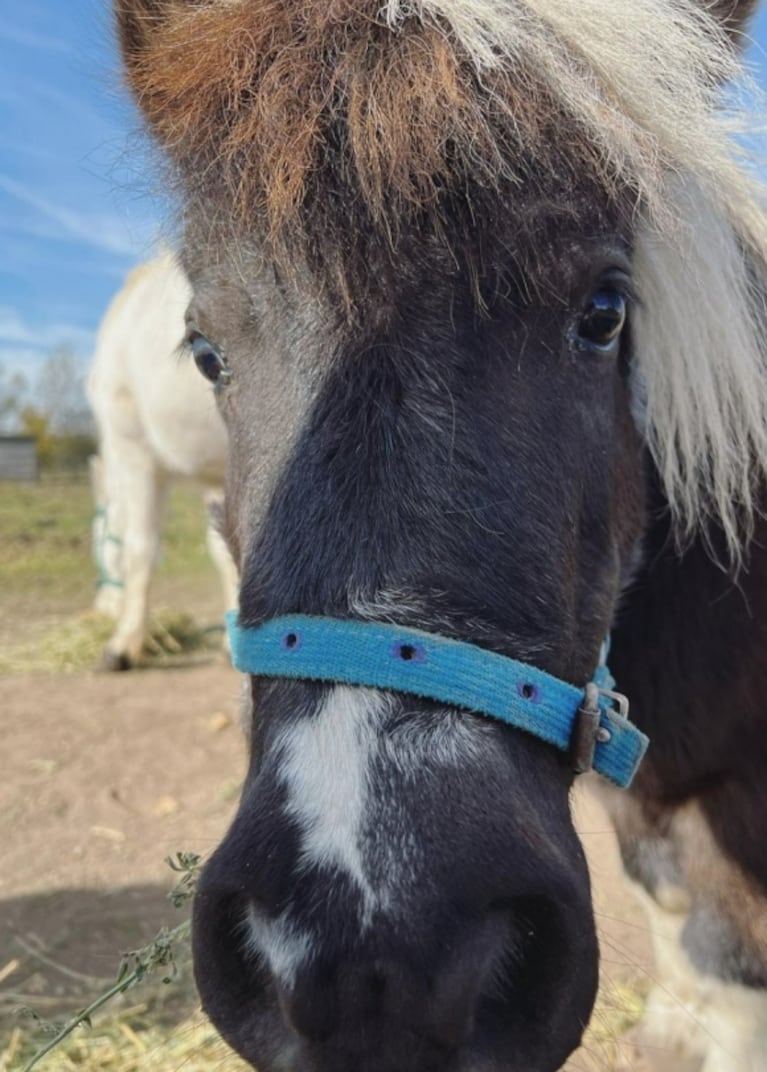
x,y
408,653
528,691
290,641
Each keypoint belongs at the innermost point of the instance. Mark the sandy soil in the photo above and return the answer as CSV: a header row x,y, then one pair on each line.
x,y
104,776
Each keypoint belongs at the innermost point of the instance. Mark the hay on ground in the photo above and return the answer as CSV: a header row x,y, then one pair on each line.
x,y
76,644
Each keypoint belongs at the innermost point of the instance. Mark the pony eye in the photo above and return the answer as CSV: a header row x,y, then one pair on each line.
x,y
209,361
604,319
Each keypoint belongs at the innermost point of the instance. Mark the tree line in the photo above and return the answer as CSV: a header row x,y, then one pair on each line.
x,y
52,408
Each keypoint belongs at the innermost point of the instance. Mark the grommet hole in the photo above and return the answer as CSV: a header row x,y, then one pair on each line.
x,y
409,653
291,641
528,691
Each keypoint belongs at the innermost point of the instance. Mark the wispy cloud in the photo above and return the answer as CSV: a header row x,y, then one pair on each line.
x,y
109,232
14,35
20,148
19,336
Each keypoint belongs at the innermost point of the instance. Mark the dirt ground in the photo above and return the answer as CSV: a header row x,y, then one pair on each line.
x,y
105,776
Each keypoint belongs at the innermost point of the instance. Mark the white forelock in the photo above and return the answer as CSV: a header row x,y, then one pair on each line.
x,y
643,81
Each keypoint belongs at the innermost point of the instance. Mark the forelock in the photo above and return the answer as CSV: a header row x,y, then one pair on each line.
x,y
411,98
296,119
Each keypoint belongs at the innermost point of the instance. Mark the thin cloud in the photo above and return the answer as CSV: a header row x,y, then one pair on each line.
x,y
20,148
16,36
24,337
105,231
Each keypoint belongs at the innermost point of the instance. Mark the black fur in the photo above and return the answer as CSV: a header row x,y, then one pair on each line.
x,y
481,464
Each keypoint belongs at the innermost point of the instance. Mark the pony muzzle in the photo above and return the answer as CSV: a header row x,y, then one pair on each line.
x,y
521,974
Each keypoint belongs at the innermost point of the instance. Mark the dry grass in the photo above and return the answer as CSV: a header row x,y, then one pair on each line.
x,y
619,1008
143,1035
160,1031
76,645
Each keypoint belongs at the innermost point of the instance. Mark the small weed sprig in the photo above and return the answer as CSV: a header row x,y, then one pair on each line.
x,y
188,865
138,964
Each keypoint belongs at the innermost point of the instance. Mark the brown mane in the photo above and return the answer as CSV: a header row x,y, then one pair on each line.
x,y
273,89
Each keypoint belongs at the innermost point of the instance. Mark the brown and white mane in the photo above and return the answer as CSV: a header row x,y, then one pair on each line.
x,y
435,92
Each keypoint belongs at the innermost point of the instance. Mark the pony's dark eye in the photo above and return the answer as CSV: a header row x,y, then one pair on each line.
x,y
603,320
209,361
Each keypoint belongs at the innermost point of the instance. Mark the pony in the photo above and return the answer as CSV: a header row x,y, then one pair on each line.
x,y
481,288
156,419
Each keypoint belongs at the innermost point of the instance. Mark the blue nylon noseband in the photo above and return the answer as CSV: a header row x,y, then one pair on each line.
x,y
583,722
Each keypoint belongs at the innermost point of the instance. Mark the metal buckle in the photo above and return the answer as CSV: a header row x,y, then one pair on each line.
x,y
587,730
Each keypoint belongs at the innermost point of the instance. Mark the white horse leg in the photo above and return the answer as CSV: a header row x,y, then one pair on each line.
x,y
106,545
143,494
736,1020
695,1013
691,1014
219,552
108,554
674,1013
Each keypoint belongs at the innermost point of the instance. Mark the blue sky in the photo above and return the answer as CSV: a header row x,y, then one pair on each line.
x,y
75,214
76,210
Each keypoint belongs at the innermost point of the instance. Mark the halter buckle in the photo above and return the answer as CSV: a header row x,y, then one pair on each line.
x,y
587,729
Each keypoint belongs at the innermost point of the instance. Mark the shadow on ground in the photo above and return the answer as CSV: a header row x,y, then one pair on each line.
x,y
60,950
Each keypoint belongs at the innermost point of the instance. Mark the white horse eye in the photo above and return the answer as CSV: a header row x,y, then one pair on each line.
x,y
209,361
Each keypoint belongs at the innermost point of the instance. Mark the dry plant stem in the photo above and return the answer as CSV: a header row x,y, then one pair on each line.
x,y
37,954
158,954
124,982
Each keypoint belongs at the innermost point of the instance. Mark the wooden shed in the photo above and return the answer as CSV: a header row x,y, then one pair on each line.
x,y
18,458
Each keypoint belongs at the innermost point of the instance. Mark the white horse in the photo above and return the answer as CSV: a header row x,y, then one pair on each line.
x,y
156,419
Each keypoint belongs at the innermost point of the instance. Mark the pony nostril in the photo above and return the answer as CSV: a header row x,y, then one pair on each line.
x,y
310,1005
549,947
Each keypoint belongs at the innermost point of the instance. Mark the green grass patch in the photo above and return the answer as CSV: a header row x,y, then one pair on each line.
x,y
46,536
48,579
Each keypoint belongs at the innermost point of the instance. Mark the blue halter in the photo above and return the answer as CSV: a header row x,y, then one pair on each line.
x,y
103,576
591,724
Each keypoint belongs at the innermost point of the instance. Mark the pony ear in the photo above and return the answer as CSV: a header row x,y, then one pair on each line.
x,y
136,21
734,16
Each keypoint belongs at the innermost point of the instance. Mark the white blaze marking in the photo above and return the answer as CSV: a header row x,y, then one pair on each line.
x,y
325,763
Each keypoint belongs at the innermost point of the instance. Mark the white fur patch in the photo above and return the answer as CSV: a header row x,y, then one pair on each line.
x,y
325,763
695,1015
284,947
447,738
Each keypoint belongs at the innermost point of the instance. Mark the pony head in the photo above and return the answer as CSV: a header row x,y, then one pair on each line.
x,y
475,282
